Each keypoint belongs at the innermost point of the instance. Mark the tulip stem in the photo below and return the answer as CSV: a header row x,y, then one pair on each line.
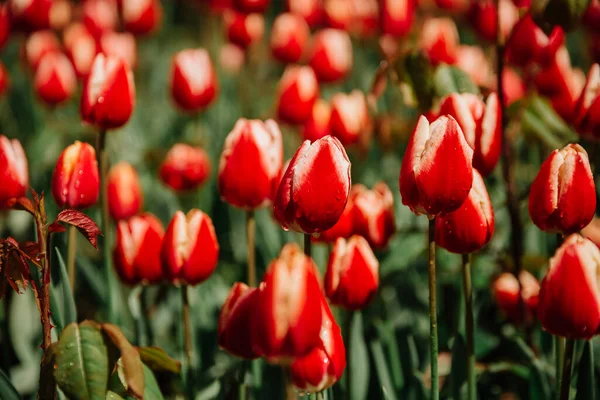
x,y
433,332
71,252
559,353
187,336
469,327
308,244
565,380
250,234
290,393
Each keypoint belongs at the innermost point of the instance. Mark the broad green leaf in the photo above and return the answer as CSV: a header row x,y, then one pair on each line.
x,y
359,359
416,71
7,390
158,360
586,385
129,367
448,79
538,383
68,309
382,370
82,362
388,337
151,390
458,374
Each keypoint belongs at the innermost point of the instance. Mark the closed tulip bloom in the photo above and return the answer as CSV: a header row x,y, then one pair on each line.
x,y
231,58
244,29
529,44
365,21
4,25
289,36
563,195
483,16
55,79
185,167
194,84
318,123
4,80
592,231
397,17
100,16
437,171
349,116
439,40
331,55
374,214
454,6
339,14
569,304
591,18
80,46
298,90
39,44
235,321
108,96
125,196
315,187
141,16
514,87
506,290
288,316
475,63
14,173
137,251
586,116
251,6
253,148
190,250
30,15
352,276
310,10
471,227
76,181
325,364
121,45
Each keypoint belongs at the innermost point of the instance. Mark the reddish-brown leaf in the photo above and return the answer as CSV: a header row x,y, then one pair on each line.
x,y
20,203
14,268
82,222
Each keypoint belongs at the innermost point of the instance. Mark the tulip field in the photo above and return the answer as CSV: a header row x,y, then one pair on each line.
x,y
300,199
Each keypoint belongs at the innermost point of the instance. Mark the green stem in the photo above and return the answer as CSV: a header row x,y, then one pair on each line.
x,y
307,244
565,381
433,333
71,253
187,334
469,327
559,353
250,235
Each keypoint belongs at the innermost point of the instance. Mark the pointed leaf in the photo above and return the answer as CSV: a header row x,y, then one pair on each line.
x,y
586,385
68,309
382,369
20,203
113,396
538,383
7,389
448,79
130,369
359,359
82,222
158,360
458,374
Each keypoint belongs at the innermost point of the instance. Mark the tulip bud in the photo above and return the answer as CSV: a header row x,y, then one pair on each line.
x,y
251,6
298,90
243,29
310,10
193,80
365,18
349,117
289,36
121,45
288,316
483,15
455,6
331,55
439,40
190,250
345,226
529,44
352,275
30,15
317,125
55,79
235,321
231,58
471,227
506,290
185,167
141,16
315,187
253,148
592,231
586,116
474,62
325,364
108,96
569,303
437,171
591,18
339,14
100,16
4,25
4,80
397,17
563,194
80,46
39,44
374,214
14,174
513,85
125,197
76,181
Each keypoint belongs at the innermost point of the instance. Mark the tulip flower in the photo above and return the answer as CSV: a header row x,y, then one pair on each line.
x,y
244,29
513,86
190,250
185,167
4,80
331,55
141,16
339,14
563,195
14,173
318,123
4,25
483,15
592,231
194,82
569,302
298,90
231,58
30,15
80,46
137,251
349,117
455,6
124,191
506,290
586,117
235,321
325,364
251,6
121,45
352,276
437,171
591,18
529,44
253,148
108,96
39,44
439,40
345,226
100,16
55,79
287,319
76,181
365,18
397,17
474,62
289,36
310,10
374,214
314,188
471,227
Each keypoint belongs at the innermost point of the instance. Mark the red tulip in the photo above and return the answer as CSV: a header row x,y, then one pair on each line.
x,y
365,18
474,62
592,231
397,17
4,25
235,321
100,16
310,10
483,16
194,82
288,315
339,14
185,167
506,293
349,117
231,58
345,226
39,44
522,3
331,55
14,173
569,303
513,85
4,80
55,79
315,187
243,29
325,364
76,181
529,44
563,194
318,124
352,276
455,6
137,251
190,250
251,6
108,95
437,171
80,46
125,196
439,40
253,148
586,117
298,90
141,16
591,18
30,15
289,36
121,45
374,214
471,227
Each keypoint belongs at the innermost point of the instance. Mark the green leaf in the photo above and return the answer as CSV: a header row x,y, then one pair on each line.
x,y
359,359
566,13
82,362
538,382
586,385
417,72
151,390
68,309
382,370
458,374
7,390
129,367
158,360
448,79
113,396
